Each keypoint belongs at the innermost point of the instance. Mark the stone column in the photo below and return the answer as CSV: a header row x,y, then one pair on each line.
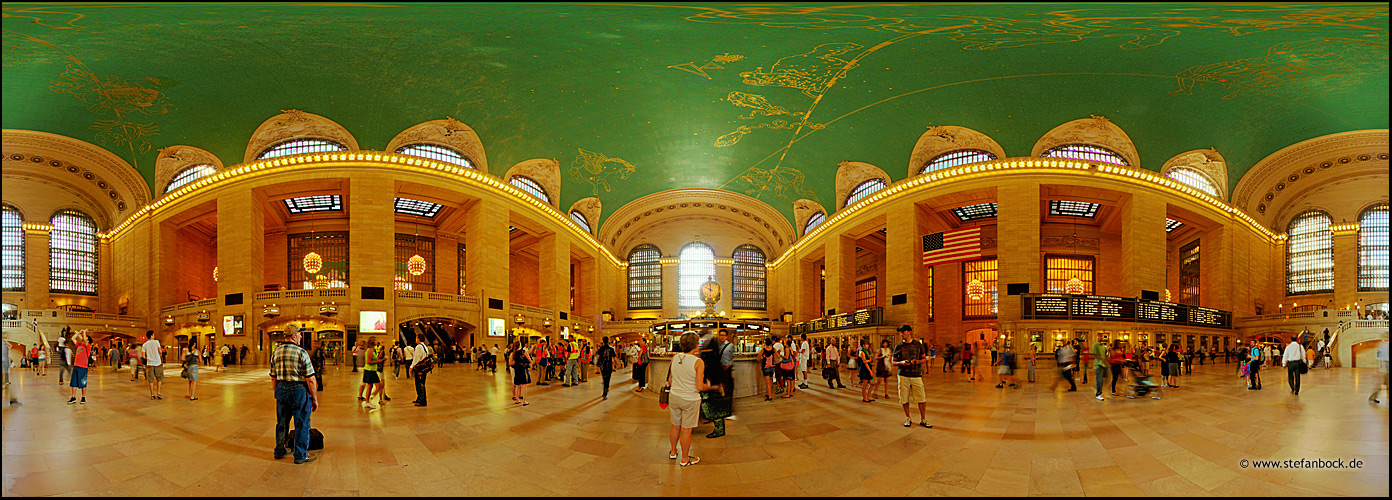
x,y
486,261
904,271
840,273
671,287
1018,257
446,264
1216,269
724,276
1345,269
808,287
241,261
36,269
1142,244
167,266
553,273
587,291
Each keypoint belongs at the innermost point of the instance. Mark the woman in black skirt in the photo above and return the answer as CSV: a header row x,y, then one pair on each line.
x,y
521,362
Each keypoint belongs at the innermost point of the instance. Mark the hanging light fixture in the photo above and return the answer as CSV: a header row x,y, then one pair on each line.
x,y
415,265
401,283
215,273
976,289
1167,295
312,262
1074,286
321,281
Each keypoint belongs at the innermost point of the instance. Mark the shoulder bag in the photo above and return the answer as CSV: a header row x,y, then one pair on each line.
x,y
664,395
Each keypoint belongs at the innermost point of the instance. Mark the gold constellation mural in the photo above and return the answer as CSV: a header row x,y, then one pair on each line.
x,y
111,94
1283,64
811,72
596,169
714,63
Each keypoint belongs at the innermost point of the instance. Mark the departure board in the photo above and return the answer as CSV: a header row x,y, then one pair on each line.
x,y
854,319
1105,308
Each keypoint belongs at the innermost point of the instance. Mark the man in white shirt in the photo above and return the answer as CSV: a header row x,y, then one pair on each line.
x,y
154,366
833,357
804,353
421,352
781,380
1382,371
1293,359
224,356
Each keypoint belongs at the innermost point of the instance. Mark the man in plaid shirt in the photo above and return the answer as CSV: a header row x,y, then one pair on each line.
x,y
292,375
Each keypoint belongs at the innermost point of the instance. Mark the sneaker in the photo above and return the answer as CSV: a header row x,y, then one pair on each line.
x,y
72,400
925,425
908,423
306,460
731,417
1099,397
370,406
83,401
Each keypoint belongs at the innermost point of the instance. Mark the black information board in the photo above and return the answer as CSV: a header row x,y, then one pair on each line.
x,y
855,319
1105,308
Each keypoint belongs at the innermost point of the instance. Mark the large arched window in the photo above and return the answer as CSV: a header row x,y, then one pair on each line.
x,y
645,277
301,146
956,159
747,280
1193,179
1086,152
188,175
72,254
436,153
1309,254
531,186
697,266
814,221
580,219
866,188
1372,249
13,250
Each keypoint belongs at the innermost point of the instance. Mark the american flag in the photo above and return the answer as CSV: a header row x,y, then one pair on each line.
x,y
952,246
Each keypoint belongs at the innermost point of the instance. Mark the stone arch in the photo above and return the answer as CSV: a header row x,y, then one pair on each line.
x,y
44,170
948,138
803,210
590,208
1206,162
296,124
851,174
174,159
1096,131
449,133
546,172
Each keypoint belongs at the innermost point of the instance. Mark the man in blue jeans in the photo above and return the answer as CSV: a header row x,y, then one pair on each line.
x,y
1099,365
292,374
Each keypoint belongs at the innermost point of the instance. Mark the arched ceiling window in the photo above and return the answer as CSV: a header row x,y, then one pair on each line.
x,y
1309,254
866,188
72,253
1193,179
531,186
434,152
580,219
301,146
814,221
645,277
13,249
1372,250
956,159
1086,152
697,266
748,280
189,174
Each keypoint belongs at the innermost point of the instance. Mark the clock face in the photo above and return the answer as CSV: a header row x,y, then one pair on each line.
x,y
710,292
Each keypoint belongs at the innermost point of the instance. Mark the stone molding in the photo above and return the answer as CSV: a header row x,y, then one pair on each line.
x,y
1097,131
90,167
761,217
803,210
948,138
1206,162
449,133
175,159
296,124
590,207
1306,159
1069,242
850,174
546,172
95,205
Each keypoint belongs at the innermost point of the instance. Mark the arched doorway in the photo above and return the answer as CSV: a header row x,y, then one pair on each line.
x,y
329,332
451,337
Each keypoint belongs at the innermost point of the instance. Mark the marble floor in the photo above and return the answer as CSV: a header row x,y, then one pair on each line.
x,y
472,440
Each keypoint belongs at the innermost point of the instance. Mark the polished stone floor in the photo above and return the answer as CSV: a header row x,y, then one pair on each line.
x,y
472,441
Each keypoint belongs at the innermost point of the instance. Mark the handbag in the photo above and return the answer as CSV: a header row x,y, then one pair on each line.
x,y
664,395
184,373
1304,367
851,364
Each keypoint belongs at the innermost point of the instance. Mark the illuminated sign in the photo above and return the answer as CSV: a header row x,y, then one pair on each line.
x,y
853,319
496,327
1104,308
232,325
372,321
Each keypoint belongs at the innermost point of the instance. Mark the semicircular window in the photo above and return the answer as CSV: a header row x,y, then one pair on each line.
x,y
190,174
299,147
580,219
1085,152
532,187
434,152
956,159
866,188
1193,179
814,221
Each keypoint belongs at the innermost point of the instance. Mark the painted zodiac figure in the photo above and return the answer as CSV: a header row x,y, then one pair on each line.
x,y
1285,63
811,72
595,169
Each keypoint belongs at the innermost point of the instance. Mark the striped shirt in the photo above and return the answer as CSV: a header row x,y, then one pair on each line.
x,y
290,363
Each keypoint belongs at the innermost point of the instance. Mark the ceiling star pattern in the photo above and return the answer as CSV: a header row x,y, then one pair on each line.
x,y
764,101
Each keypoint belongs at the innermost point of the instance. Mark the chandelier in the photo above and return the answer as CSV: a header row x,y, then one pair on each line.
x,y
312,263
401,283
976,290
416,265
1167,295
321,281
1074,286
215,273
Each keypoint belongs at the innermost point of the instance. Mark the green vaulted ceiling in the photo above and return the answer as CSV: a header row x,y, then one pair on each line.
x,y
762,100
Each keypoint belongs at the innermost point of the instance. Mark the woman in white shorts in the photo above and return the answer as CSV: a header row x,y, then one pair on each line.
x,y
687,379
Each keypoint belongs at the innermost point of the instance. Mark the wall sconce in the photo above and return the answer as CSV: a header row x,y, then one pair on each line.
x,y
203,316
270,311
519,319
546,323
330,309
169,320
